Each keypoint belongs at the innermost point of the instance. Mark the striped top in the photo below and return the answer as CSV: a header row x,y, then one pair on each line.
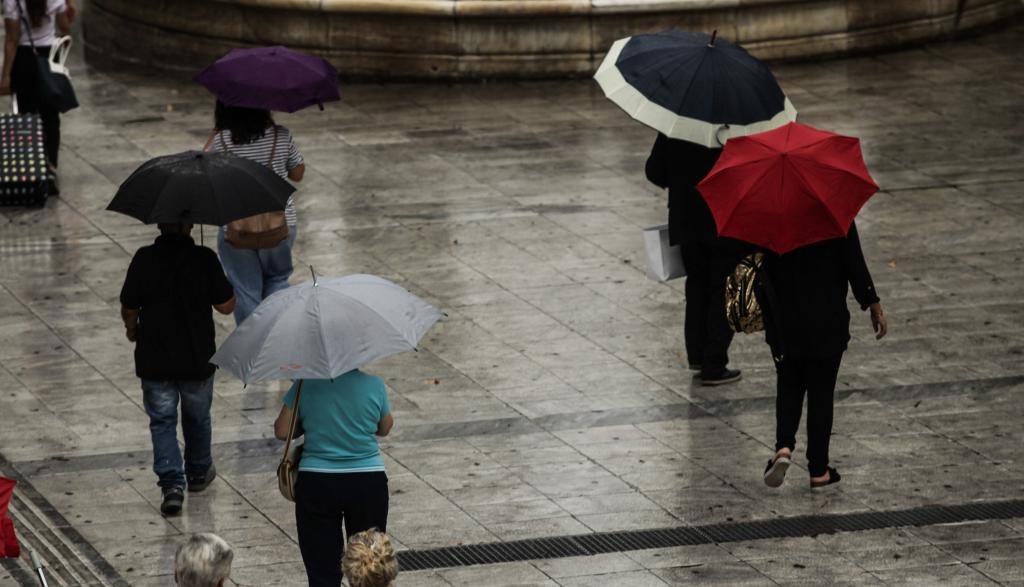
x,y
286,156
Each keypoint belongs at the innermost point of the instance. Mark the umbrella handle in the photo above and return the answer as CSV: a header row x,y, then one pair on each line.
x,y
38,564
718,134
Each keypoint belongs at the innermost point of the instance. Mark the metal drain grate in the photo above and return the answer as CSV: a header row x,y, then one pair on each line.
x,y
794,527
69,558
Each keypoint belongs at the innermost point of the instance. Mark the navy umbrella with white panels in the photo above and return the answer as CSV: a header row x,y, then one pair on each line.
x,y
693,86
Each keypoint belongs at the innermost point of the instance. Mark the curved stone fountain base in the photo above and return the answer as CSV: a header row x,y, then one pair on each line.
x,y
453,39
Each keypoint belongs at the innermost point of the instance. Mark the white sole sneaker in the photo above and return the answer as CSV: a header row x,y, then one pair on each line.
x,y
775,474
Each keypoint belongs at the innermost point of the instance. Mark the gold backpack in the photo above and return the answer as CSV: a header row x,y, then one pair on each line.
x,y
742,308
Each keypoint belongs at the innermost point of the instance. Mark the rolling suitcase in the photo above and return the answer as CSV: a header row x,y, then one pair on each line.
x,y
22,160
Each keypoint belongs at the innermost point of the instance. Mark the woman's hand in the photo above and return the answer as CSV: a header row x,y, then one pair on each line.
x,y
878,321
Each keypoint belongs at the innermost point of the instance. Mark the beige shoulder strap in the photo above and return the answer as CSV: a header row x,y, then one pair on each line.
x,y
209,141
291,425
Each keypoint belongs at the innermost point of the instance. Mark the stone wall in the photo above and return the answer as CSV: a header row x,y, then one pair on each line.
x,y
507,38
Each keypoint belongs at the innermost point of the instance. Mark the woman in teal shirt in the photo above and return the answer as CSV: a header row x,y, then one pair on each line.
x,y
341,472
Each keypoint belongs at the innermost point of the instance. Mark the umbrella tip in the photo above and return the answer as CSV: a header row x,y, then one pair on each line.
x,y
314,275
714,34
321,105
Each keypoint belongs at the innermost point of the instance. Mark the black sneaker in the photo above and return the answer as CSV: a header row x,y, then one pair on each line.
x,y
197,483
723,377
833,477
775,472
173,498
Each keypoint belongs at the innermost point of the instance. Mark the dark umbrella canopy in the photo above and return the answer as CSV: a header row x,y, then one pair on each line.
x,y
200,188
271,78
694,87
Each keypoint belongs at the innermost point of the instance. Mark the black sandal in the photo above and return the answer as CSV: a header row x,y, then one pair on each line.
x,y
833,477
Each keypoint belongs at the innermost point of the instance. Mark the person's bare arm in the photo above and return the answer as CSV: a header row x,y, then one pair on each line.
x,y
71,11
12,32
63,23
227,307
131,322
385,424
297,173
284,419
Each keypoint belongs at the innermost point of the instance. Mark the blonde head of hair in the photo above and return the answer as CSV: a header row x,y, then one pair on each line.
x,y
369,560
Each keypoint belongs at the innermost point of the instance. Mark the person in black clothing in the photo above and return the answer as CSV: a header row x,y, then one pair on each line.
x,y
809,327
680,166
165,305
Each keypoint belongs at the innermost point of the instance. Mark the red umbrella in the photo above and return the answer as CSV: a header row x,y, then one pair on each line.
x,y
8,541
789,187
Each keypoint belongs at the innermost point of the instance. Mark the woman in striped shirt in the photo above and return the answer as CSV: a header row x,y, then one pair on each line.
x,y
251,133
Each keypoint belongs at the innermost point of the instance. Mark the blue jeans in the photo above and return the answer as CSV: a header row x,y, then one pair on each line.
x,y
255,273
161,401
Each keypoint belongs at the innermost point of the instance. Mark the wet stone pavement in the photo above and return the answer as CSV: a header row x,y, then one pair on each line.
x,y
553,399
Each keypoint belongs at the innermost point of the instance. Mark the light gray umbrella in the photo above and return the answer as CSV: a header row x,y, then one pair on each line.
x,y
324,328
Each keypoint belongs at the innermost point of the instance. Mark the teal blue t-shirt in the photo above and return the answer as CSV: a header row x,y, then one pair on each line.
x,y
339,418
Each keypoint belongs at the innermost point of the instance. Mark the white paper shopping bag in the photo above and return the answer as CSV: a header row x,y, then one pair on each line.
x,y
664,261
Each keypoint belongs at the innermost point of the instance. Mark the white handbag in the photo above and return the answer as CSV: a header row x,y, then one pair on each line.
x,y
664,261
59,56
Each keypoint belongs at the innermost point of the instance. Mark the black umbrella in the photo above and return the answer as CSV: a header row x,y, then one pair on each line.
x,y
693,87
200,188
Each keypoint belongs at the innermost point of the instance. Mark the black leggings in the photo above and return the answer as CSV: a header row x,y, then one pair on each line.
x,y
322,502
815,377
24,74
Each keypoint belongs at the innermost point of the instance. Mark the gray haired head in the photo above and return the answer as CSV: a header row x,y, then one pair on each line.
x,y
204,560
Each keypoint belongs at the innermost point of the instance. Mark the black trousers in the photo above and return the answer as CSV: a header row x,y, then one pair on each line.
x,y
814,377
24,81
323,502
705,328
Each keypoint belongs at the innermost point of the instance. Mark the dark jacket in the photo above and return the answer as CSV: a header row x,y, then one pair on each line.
x,y
680,166
173,283
810,287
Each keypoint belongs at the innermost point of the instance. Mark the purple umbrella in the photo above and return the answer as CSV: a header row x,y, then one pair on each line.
x,y
271,78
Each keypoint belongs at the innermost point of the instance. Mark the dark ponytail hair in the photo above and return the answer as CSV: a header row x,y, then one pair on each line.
x,y
246,124
36,12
